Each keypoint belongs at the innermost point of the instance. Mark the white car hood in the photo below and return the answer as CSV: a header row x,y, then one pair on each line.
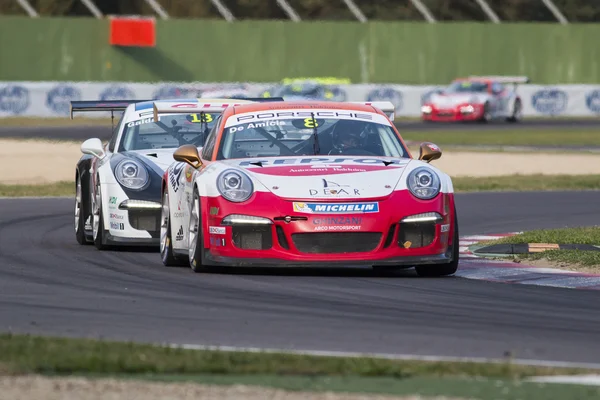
x,y
454,99
318,177
160,157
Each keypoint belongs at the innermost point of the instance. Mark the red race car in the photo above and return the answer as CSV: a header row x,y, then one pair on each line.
x,y
311,183
477,98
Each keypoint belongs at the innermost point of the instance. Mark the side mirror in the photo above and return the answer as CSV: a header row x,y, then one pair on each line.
x,y
188,153
429,152
93,147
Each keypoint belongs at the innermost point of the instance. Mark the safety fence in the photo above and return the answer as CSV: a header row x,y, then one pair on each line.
x,y
52,99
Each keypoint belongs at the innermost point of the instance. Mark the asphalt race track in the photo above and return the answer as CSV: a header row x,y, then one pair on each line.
x,y
80,133
51,285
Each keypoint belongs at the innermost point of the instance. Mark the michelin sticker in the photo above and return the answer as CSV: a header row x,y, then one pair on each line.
x,y
592,101
336,208
550,101
116,92
60,97
14,99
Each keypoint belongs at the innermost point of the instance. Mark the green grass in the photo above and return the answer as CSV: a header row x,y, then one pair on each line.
x,y
66,188
59,121
506,137
22,354
572,259
526,183
461,184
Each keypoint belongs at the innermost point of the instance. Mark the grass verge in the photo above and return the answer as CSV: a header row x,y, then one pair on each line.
x,y
576,260
507,137
461,184
22,354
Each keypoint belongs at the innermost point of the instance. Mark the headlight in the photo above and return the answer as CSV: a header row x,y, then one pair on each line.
x,y
131,174
235,186
426,109
423,183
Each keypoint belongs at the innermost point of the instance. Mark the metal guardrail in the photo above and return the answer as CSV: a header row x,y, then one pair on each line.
x,y
294,16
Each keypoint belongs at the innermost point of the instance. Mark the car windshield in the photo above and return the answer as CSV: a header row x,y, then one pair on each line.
x,y
171,131
254,135
467,87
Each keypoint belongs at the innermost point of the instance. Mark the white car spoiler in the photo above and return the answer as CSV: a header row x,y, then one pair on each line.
x,y
386,106
504,79
202,105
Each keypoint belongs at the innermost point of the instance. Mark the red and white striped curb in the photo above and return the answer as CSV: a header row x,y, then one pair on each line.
x,y
479,268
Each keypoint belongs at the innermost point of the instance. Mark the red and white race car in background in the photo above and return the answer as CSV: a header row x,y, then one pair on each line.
x,y
476,98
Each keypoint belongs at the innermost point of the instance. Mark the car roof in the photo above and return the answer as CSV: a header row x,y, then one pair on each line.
x,y
481,80
304,105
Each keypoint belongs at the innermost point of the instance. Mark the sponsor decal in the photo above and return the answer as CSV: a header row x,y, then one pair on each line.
x,y
117,226
321,166
214,210
550,101
115,216
334,189
407,244
60,97
327,161
592,101
336,208
217,242
337,223
175,176
433,147
266,115
179,235
112,200
180,214
445,228
216,230
188,173
387,94
140,122
117,92
14,99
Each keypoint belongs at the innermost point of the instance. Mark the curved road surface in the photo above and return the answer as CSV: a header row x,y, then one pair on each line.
x,y
51,285
80,133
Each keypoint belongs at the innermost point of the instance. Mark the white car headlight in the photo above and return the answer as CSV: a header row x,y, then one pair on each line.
x,y
131,174
423,183
235,185
426,109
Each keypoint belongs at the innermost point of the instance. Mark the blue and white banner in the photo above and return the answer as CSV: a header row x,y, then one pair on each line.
x,y
51,99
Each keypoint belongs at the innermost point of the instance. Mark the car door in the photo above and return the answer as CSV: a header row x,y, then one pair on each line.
x,y
500,98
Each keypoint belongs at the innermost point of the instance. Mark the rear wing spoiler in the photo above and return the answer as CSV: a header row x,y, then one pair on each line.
x,y
86,106
386,106
504,79
202,105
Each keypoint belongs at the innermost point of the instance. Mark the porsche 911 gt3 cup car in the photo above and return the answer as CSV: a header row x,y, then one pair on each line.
x,y
477,98
308,184
118,185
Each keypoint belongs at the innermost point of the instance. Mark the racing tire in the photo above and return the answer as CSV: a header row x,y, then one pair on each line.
x,y
436,270
80,212
166,242
517,110
98,220
486,116
196,250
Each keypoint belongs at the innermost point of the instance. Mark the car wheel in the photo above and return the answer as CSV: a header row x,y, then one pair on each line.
x,y
166,243
80,212
517,112
450,268
98,219
196,249
487,115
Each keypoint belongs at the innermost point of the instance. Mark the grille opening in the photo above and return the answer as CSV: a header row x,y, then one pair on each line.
x,y
390,236
252,237
419,234
144,220
281,238
338,242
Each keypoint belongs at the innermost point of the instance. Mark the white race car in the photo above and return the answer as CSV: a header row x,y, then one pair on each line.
x,y
118,185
